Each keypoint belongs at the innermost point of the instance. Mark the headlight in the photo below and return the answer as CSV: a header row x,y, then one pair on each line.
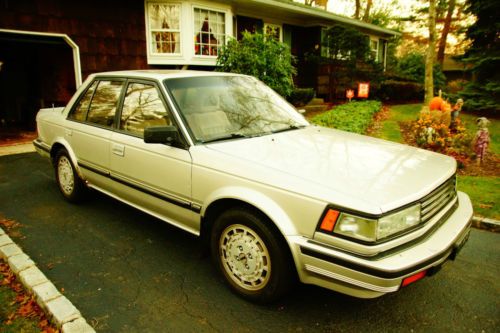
x,y
357,227
402,220
370,230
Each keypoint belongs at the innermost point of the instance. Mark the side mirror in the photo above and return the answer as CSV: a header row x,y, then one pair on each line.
x,y
161,134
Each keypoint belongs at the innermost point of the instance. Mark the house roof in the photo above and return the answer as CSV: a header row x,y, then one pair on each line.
x,y
307,15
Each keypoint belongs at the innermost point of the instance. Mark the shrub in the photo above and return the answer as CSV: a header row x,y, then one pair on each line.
x,y
454,86
399,91
301,96
263,57
412,67
432,131
352,117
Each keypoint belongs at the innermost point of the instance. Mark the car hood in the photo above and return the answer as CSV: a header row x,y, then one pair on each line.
x,y
346,169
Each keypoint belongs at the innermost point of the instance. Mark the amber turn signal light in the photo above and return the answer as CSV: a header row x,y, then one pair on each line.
x,y
329,220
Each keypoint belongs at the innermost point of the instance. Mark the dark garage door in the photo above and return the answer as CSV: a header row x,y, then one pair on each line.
x,y
36,71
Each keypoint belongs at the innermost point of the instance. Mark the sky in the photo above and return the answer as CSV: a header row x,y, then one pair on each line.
x,y
346,7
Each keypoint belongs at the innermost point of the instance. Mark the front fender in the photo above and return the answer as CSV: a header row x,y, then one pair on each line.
x,y
257,199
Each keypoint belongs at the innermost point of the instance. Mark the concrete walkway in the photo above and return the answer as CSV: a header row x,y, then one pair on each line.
x,y
17,149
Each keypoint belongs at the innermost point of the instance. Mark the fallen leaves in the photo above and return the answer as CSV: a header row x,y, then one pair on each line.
x,y
485,206
8,224
24,304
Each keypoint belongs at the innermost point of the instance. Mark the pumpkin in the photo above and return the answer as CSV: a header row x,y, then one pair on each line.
x,y
437,103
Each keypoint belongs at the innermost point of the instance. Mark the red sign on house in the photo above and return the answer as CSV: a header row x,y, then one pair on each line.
x,y
363,90
349,94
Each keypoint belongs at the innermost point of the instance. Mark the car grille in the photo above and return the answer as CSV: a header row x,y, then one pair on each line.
x,y
437,199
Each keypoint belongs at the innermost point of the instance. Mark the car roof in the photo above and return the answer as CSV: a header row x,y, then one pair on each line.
x,y
161,74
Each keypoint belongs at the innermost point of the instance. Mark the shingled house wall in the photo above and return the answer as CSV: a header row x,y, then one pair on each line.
x,y
109,33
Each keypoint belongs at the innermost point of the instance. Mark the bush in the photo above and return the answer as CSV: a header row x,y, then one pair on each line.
x,y
399,91
263,57
454,86
432,131
301,96
352,117
412,67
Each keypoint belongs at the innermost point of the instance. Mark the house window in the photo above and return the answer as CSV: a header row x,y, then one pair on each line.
x,y
209,31
374,49
165,28
274,30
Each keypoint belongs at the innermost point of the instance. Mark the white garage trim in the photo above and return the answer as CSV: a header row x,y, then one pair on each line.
x,y
76,51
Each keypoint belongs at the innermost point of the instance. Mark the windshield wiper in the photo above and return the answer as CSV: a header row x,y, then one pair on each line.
x,y
289,128
226,137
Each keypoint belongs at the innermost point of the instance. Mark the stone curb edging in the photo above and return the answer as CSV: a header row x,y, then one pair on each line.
x,y
486,223
58,308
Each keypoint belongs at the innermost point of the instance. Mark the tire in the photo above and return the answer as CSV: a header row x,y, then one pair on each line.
x,y
253,258
70,185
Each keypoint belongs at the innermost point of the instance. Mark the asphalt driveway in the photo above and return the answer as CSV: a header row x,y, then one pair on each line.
x,y
128,272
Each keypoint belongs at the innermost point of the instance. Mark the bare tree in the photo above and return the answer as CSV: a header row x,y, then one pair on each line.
x,y
431,50
358,8
446,30
366,16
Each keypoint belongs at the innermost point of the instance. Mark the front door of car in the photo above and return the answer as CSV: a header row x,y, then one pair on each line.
x,y
156,177
91,123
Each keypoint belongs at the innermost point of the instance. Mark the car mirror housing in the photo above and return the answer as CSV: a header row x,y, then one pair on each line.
x,y
161,134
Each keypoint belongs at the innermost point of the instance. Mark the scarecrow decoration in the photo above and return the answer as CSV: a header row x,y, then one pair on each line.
x,y
482,139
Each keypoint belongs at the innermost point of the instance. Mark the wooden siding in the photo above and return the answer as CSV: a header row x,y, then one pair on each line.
x,y
110,34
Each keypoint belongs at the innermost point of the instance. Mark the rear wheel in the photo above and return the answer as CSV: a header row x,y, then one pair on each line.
x,y
252,257
70,184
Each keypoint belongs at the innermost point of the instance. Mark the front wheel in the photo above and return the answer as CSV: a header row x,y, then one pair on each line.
x,y
252,257
70,184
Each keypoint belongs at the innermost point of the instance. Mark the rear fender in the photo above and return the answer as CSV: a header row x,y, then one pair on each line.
x,y
59,143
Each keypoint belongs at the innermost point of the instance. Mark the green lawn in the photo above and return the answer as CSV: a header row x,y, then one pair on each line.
x,y
484,194
483,191
390,127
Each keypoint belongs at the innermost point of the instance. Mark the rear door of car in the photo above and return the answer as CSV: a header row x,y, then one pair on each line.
x,y
156,177
91,122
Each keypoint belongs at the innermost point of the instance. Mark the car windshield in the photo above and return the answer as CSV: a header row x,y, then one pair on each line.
x,y
226,107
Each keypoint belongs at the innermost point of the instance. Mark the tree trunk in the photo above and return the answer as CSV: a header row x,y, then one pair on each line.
x,y
431,50
366,17
444,33
356,13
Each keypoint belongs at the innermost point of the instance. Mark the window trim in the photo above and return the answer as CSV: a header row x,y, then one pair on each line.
x,y
187,55
275,25
149,31
195,6
376,40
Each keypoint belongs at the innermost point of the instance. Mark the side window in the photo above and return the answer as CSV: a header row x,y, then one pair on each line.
x,y
103,107
143,108
80,111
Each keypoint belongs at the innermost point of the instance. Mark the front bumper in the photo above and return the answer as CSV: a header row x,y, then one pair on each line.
x,y
366,277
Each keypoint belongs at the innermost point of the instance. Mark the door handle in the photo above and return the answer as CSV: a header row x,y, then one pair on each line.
x,y
118,149
68,132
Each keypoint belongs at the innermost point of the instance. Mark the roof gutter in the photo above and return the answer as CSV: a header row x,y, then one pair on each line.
x,y
321,13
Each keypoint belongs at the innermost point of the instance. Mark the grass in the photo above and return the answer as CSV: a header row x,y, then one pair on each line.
x,y
484,194
398,113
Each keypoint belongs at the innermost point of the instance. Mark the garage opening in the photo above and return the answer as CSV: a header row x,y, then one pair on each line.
x,y
36,71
